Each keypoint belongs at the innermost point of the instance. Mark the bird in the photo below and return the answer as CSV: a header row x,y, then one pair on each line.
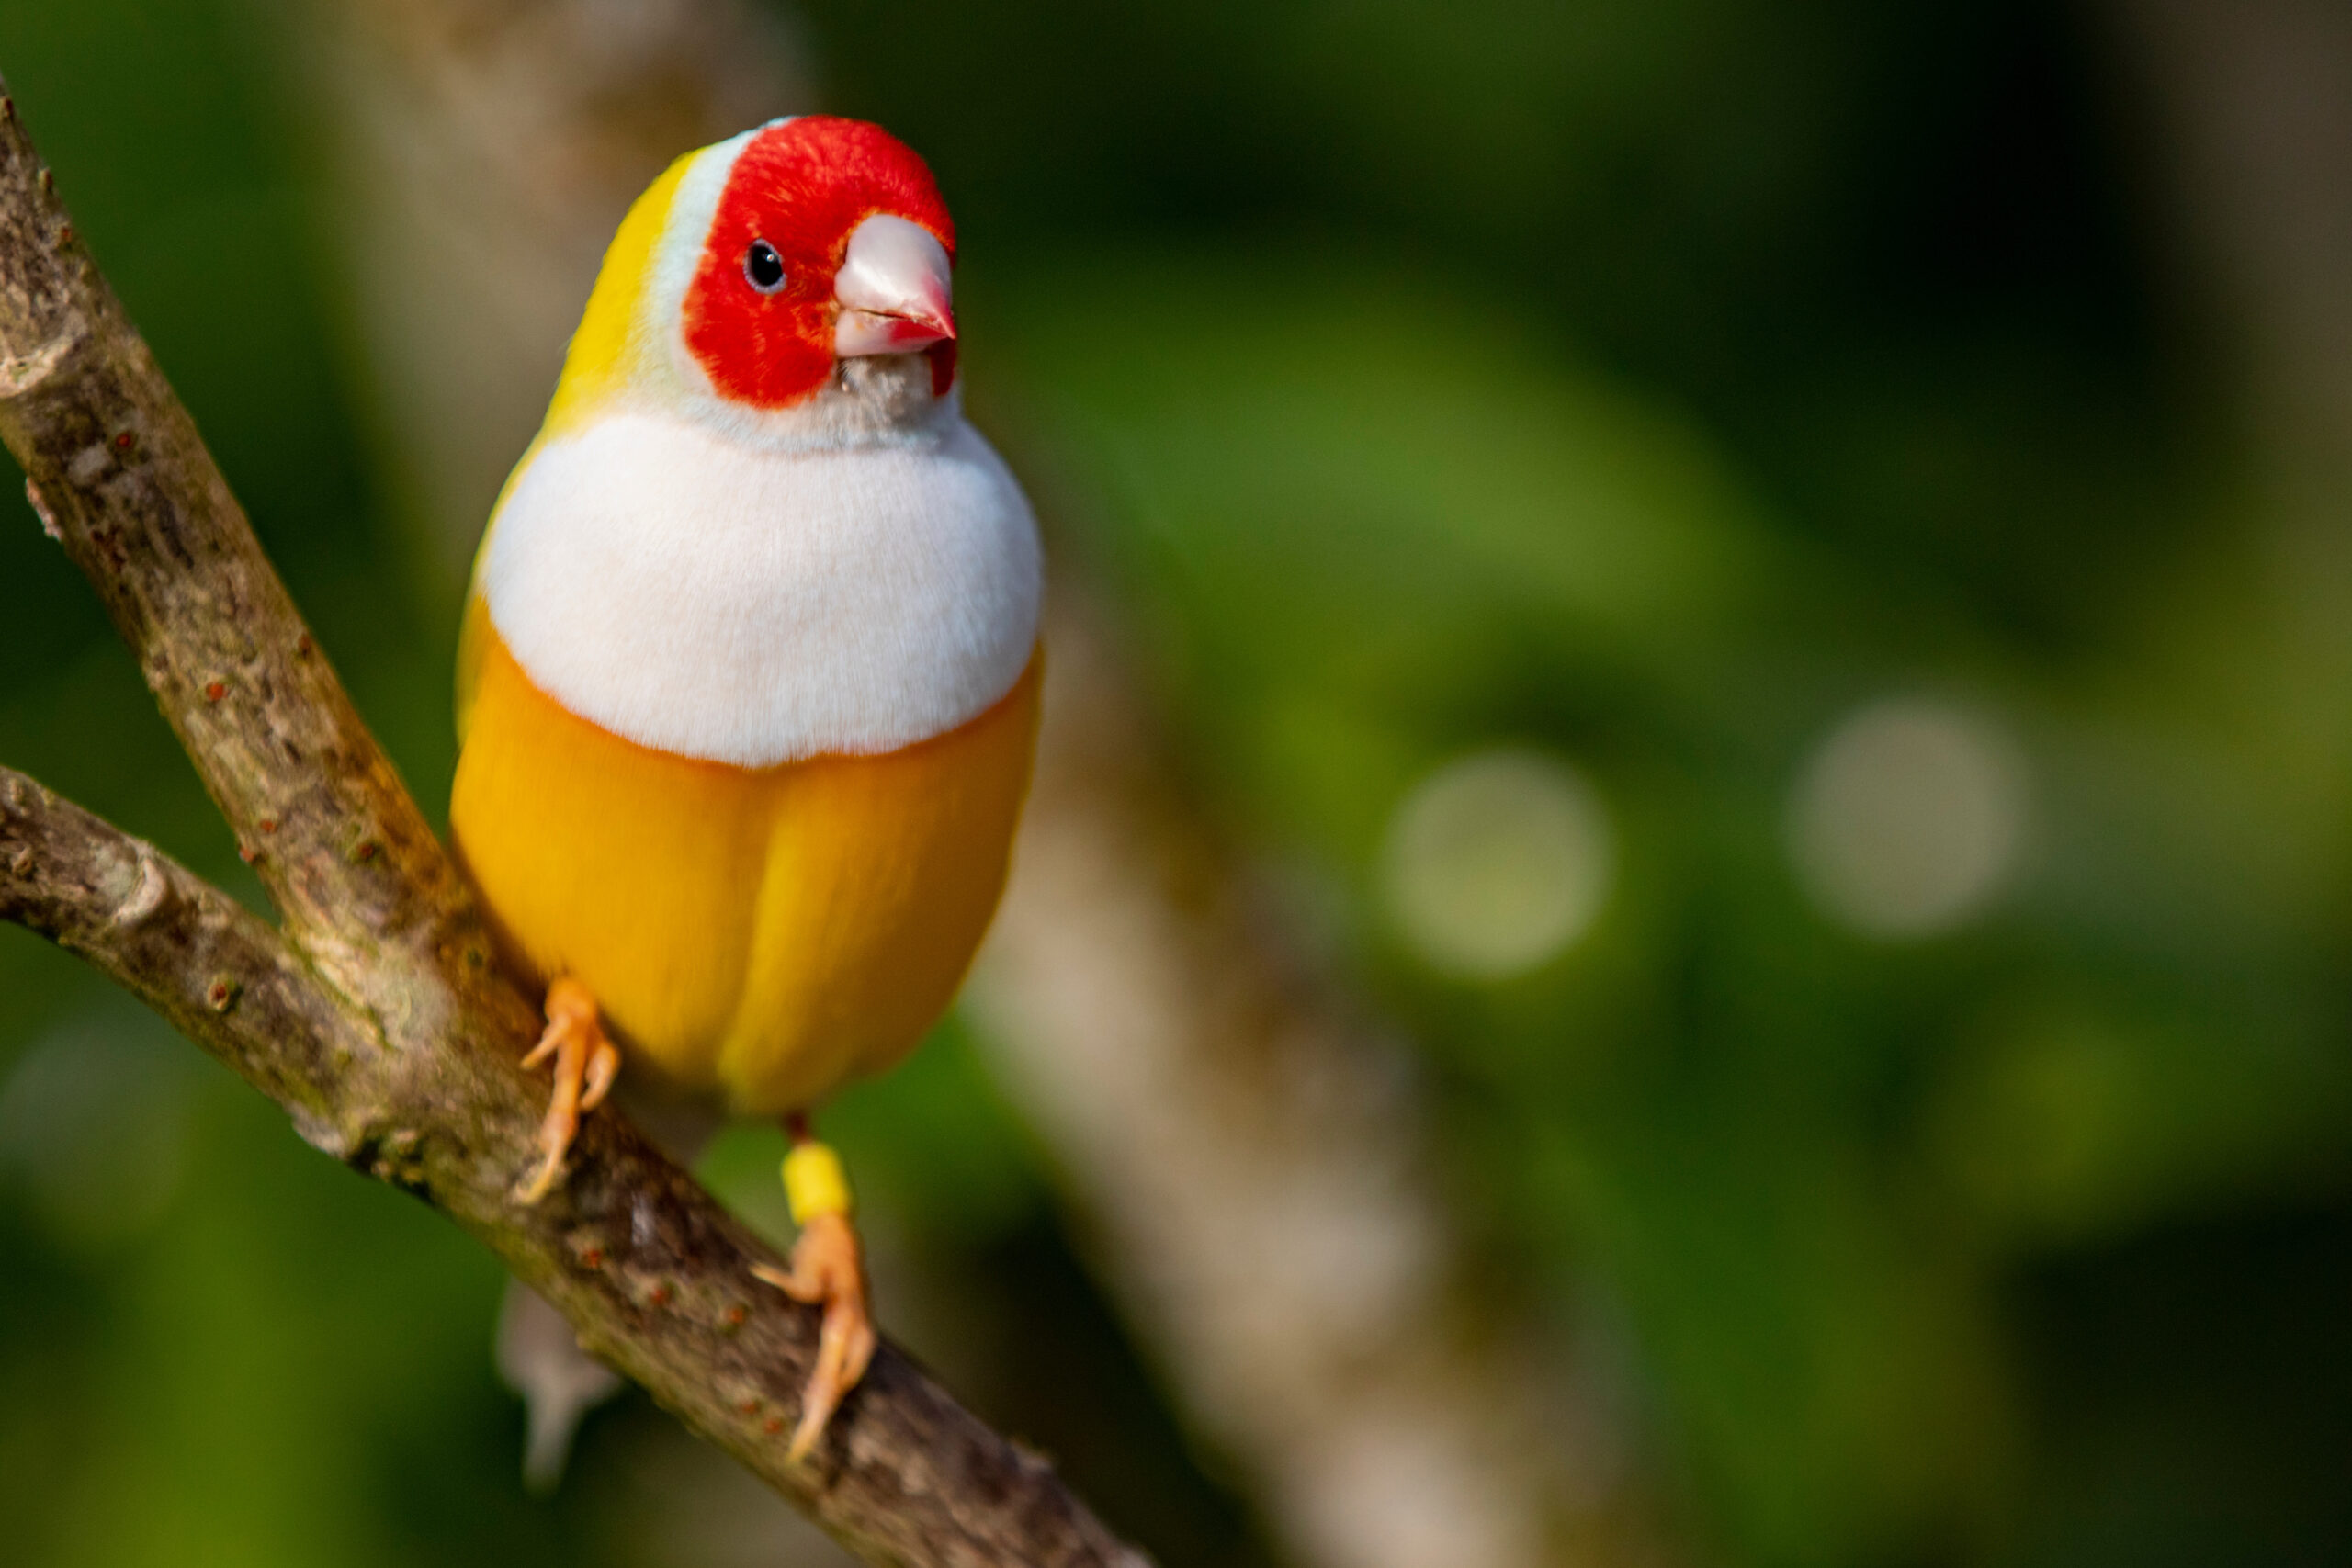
x,y
748,679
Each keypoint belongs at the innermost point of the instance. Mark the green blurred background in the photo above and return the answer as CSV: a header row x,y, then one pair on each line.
x,y
1771,584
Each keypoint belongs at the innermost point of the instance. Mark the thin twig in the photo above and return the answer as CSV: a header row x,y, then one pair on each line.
x,y
376,1016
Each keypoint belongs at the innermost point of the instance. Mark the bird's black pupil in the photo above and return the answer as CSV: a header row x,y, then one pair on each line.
x,y
763,267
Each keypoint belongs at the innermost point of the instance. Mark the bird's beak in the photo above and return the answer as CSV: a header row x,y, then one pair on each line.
x,y
894,290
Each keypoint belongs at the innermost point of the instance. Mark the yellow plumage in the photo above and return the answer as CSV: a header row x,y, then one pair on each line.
x,y
768,934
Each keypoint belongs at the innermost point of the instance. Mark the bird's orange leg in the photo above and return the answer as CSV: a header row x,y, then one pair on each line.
x,y
585,1066
828,1270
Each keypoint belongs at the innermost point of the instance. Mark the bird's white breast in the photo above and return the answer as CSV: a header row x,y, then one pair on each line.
x,y
706,598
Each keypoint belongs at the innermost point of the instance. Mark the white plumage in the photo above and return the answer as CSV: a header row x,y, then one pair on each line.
x,y
714,600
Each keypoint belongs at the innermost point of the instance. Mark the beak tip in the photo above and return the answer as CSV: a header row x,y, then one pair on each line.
x,y
863,333
894,289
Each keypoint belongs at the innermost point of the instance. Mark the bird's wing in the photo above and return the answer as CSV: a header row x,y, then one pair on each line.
x,y
472,631
473,638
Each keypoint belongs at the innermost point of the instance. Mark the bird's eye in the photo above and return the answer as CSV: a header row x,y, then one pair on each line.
x,y
763,267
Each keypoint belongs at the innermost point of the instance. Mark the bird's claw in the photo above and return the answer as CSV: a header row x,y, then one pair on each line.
x,y
828,1270
585,1066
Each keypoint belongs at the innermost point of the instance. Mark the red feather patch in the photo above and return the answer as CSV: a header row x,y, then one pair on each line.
x,y
802,186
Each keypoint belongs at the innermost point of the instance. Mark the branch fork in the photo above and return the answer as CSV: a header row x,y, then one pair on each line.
x,y
374,1014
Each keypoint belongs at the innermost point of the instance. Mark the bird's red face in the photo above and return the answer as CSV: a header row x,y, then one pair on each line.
x,y
830,242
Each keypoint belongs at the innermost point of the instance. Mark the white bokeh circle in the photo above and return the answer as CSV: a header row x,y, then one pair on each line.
x,y
1909,816
1496,863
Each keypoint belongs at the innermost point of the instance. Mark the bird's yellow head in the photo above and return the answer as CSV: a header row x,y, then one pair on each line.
x,y
789,285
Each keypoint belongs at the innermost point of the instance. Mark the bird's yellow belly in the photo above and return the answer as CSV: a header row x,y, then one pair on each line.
x,y
763,934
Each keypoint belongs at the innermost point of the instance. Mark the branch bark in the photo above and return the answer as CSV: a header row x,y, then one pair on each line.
x,y
375,1016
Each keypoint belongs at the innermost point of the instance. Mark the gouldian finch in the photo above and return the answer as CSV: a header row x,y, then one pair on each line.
x,y
748,686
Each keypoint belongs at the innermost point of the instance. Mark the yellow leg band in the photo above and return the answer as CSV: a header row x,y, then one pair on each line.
x,y
814,1183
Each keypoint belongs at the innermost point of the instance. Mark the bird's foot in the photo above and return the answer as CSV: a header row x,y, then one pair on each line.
x,y
828,1270
585,1064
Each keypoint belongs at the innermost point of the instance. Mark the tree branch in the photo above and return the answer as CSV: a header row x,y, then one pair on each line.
x,y
375,1017
196,956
